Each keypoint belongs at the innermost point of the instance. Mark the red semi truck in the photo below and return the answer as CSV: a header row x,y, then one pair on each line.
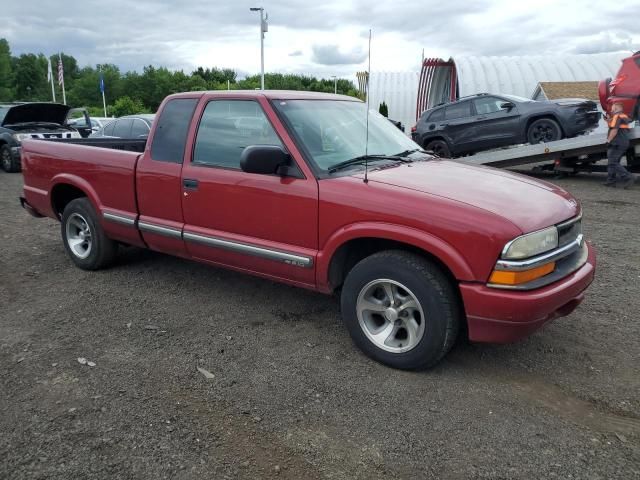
x,y
285,185
625,88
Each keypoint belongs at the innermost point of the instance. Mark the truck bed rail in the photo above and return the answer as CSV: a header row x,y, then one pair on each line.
x,y
130,145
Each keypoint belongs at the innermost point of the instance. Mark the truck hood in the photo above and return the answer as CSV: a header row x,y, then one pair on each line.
x,y
527,203
36,113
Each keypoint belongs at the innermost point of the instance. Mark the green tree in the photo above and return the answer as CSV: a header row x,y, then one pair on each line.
x,y
384,110
30,73
126,106
6,72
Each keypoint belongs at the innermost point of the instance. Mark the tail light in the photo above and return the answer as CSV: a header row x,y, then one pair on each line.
x,y
414,129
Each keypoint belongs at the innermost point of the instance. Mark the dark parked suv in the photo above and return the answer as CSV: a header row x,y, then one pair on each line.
x,y
485,121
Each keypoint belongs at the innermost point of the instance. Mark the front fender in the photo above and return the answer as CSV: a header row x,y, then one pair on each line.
x,y
427,242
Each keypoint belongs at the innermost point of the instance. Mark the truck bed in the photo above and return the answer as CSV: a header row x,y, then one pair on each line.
x,y
105,168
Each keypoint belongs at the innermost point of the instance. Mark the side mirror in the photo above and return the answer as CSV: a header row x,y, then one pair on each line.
x,y
264,159
507,105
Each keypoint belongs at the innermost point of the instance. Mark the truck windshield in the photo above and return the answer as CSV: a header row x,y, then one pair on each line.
x,y
334,131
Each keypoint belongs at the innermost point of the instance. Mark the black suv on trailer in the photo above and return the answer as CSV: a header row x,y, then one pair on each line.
x,y
485,121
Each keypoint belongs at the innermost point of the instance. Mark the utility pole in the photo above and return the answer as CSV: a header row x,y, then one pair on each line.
x,y
264,27
335,84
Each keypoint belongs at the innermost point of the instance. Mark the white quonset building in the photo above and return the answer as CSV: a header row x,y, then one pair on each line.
x,y
407,94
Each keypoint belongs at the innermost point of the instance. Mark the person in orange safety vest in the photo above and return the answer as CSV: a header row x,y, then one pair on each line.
x,y
617,146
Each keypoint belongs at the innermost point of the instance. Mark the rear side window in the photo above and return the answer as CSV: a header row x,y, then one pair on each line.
x,y
108,130
171,130
139,129
458,110
437,115
226,128
123,128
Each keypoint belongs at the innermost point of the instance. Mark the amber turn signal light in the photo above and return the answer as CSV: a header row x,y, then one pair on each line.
x,y
501,277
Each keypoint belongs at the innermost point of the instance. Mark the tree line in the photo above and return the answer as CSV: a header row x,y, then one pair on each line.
x,y
24,78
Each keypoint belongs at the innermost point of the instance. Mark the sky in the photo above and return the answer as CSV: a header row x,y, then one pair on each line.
x,y
323,38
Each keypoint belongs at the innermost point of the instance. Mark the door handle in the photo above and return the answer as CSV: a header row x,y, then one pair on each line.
x,y
190,184
444,124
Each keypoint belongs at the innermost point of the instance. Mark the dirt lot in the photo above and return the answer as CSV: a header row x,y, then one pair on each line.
x,y
291,396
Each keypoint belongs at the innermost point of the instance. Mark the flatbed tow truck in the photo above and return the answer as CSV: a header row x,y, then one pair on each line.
x,y
568,156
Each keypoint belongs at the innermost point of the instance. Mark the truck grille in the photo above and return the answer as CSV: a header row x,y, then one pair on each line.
x,y
53,135
568,231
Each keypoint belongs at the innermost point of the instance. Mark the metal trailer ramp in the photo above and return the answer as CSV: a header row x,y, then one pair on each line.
x,y
570,151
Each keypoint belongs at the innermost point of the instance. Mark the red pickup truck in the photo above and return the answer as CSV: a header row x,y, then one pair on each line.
x,y
294,187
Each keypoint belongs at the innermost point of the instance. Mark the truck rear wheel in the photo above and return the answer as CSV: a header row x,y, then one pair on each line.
x,y
400,309
83,236
9,164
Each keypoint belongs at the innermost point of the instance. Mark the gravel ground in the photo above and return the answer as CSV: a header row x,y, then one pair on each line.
x,y
290,396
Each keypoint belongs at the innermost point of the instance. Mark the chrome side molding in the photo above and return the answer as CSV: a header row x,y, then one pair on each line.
x,y
277,255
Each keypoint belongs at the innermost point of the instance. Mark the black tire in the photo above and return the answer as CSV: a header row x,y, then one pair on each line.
x,y
439,147
9,164
544,130
101,252
431,288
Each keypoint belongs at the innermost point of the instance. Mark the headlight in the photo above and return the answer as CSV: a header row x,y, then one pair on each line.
x,y
531,244
21,136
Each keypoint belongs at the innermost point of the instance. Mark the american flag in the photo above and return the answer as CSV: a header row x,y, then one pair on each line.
x,y
60,71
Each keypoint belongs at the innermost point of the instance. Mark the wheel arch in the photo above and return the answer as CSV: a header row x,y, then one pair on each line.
x,y
352,244
67,188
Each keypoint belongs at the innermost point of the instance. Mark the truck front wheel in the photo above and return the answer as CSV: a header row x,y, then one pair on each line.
x,y
83,236
401,309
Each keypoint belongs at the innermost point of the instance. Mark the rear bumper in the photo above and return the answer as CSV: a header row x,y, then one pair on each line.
x,y
504,316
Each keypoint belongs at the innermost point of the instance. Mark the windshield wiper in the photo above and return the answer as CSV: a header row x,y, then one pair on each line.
x,y
409,152
361,159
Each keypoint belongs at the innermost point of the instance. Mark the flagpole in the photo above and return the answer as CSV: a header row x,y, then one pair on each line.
x,y
64,95
104,102
50,78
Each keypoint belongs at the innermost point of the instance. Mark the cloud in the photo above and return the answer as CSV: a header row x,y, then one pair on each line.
x,y
607,42
225,34
331,55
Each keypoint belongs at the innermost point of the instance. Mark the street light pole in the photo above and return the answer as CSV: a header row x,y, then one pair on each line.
x,y
335,84
263,28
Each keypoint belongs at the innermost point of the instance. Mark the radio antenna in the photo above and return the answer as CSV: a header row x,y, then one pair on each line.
x,y
366,143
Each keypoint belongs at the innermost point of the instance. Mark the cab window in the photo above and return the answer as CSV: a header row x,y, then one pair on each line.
x,y
226,128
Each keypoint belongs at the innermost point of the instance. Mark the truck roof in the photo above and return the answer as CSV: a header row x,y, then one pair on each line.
x,y
270,94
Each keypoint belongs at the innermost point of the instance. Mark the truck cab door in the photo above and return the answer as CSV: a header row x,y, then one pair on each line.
x,y
158,178
258,223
